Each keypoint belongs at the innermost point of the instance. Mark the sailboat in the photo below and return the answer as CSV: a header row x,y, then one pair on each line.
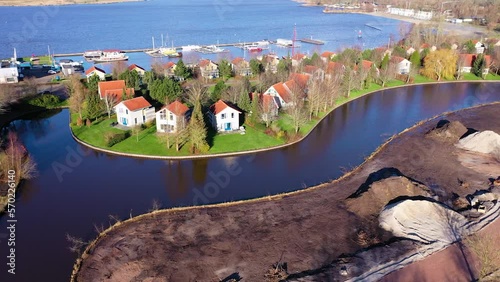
x,y
155,52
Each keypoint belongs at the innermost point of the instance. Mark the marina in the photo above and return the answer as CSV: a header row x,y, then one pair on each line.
x,y
312,41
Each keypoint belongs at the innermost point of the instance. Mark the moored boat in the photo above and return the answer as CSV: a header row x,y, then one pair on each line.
x,y
111,55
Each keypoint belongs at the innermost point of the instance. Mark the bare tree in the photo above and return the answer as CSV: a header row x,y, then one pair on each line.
x,y
387,72
315,98
136,130
119,67
297,108
15,157
7,95
110,101
76,93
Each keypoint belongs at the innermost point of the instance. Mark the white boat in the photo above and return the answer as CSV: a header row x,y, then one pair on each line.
x,y
189,48
211,49
168,51
91,55
111,55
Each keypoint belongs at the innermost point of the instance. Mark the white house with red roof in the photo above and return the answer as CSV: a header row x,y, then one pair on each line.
x,y
170,69
209,69
171,117
241,67
402,65
224,116
466,62
270,63
141,71
95,71
297,59
327,56
282,92
135,111
269,107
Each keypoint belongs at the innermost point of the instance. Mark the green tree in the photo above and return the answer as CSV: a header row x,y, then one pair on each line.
x,y
219,88
181,70
399,51
93,106
165,89
225,70
385,62
197,130
132,78
478,65
149,77
415,60
256,67
284,68
255,109
367,54
93,84
470,47
244,102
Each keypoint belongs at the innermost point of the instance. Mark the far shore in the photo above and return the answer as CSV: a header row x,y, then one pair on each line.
x,y
19,3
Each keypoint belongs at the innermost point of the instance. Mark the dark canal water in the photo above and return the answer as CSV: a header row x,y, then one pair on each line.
x,y
77,188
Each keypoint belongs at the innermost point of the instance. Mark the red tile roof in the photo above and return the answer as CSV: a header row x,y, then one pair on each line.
x,y
282,91
177,108
298,57
468,59
327,54
300,79
310,69
397,59
110,85
94,68
268,102
169,65
137,103
118,93
219,106
366,64
134,66
334,66
237,60
204,63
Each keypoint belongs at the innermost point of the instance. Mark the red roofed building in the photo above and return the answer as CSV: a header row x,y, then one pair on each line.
x,y
170,69
95,71
135,111
270,63
241,67
208,69
301,79
297,59
327,56
280,91
466,61
137,68
172,117
314,72
224,116
402,65
335,67
269,107
115,87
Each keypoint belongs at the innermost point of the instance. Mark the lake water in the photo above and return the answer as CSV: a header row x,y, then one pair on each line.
x,y
78,188
131,25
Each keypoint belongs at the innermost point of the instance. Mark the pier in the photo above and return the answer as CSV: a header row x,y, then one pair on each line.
x,y
374,27
312,41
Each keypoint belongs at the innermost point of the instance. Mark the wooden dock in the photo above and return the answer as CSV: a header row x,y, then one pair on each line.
x,y
374,27
312,41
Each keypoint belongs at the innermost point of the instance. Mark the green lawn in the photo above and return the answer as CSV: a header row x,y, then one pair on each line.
x,y
147,143
491,76
470,76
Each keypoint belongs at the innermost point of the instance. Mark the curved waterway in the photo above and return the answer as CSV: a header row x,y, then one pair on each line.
x,y
78,188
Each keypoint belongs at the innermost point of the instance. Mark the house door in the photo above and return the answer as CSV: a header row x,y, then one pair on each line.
x,y
228,126
124,121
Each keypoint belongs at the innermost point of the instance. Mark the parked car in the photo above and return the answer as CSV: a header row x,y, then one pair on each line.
x,y
51,72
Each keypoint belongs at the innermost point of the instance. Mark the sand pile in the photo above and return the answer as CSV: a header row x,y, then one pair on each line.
x,y
371,199
422,220
487,142
447,131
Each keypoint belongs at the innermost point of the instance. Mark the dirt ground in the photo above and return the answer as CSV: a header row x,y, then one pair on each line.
x,y
307,230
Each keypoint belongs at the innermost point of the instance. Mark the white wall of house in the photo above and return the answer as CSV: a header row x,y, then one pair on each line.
x,y
132,118
404,66
101,75
227,119
9,75
271,91
166,121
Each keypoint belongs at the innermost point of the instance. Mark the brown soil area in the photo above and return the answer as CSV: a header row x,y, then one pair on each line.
x,y
307,230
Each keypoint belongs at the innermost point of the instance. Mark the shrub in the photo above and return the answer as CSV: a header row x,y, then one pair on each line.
x,y
45,101
148,124
88,123
112,138
79,121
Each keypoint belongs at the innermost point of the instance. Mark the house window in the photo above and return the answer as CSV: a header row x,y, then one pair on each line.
x,y
143,119
171,116
232,115
223,116
163,115
135,119
126,112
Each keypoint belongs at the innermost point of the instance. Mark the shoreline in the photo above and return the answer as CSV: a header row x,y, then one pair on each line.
x,y
43,3
330,192
248,152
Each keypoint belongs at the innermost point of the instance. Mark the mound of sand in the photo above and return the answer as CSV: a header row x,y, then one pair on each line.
x,y
379,193
487,142
447,131
422,220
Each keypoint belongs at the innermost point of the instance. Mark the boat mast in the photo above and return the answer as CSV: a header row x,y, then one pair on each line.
x,y
294,38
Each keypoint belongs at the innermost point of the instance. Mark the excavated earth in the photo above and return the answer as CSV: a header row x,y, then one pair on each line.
x,y
309,230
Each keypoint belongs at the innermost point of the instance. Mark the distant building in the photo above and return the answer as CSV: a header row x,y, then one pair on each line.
x,y
297,59
466,61
314,72
8,73
403,65
241,67
270,63
141,71
327,56
170,69
134,112
95,71
171,116
208,69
